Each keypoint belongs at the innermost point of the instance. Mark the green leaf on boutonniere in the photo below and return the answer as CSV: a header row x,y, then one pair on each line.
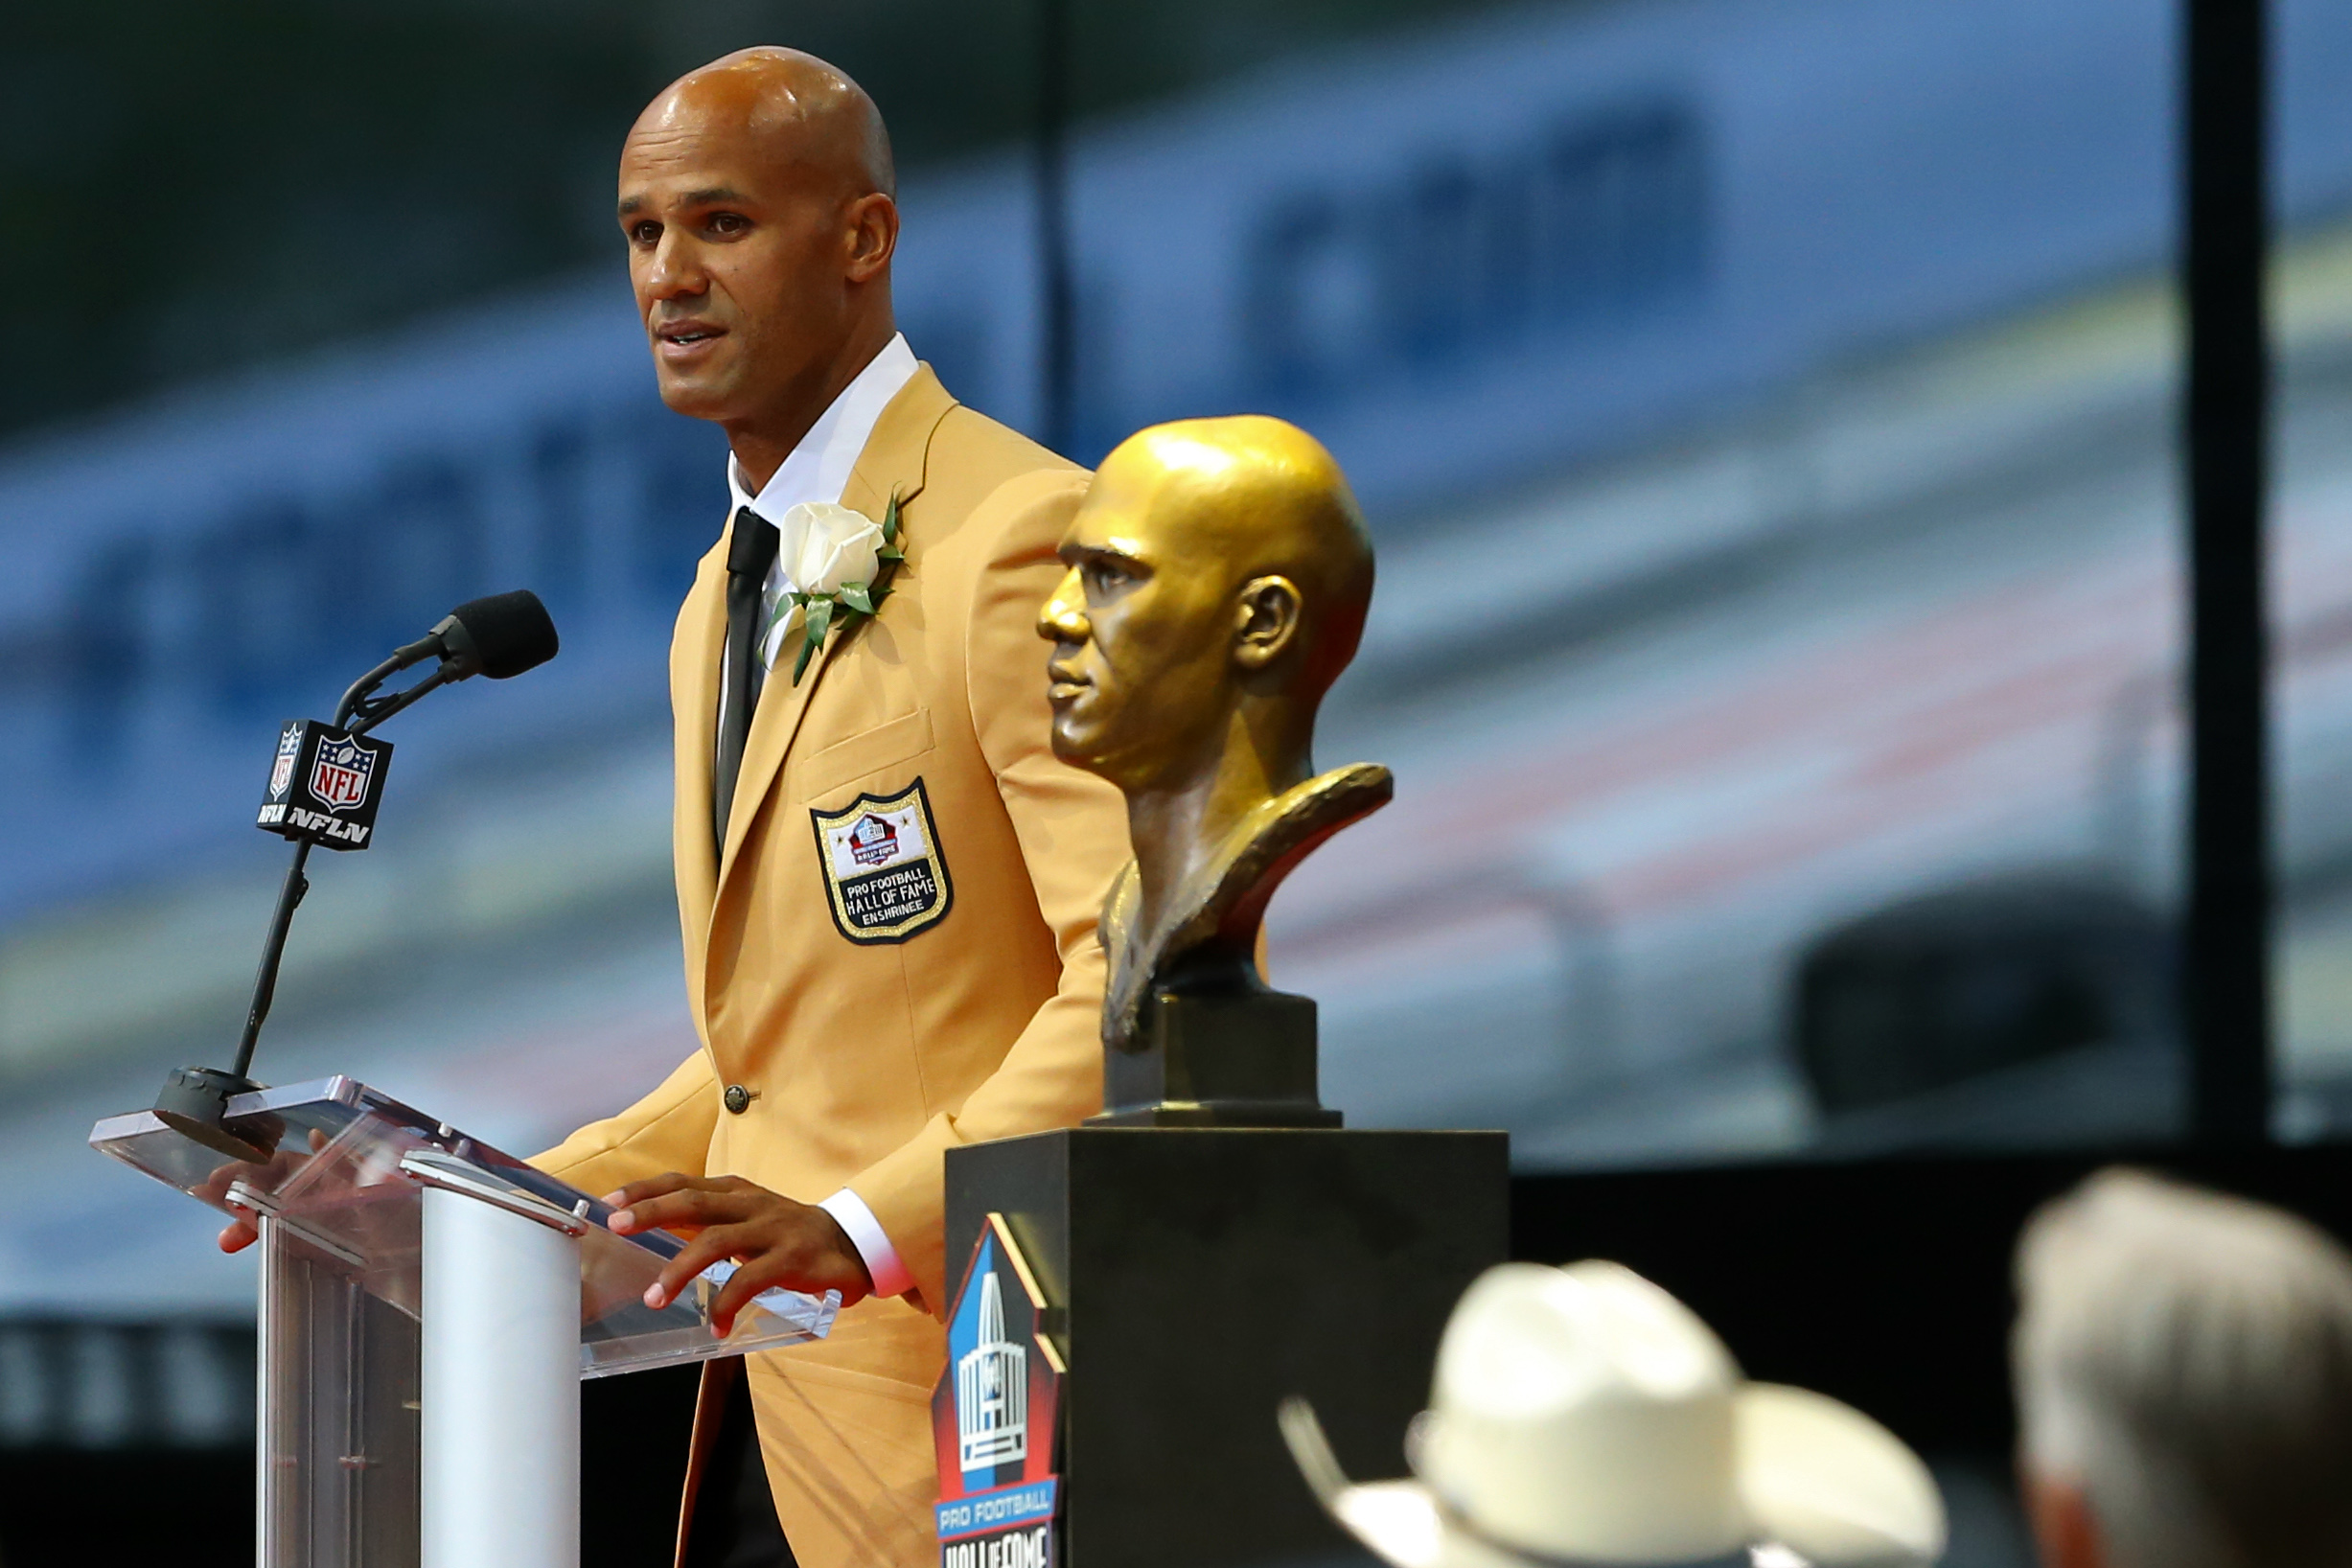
x,y
819,616
875,596
895,557
889,520
855,596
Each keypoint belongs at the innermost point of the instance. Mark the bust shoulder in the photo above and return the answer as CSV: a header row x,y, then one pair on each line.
x,y
1218,910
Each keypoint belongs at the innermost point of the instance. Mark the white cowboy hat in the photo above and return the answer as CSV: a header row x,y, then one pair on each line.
x,y
1583,1413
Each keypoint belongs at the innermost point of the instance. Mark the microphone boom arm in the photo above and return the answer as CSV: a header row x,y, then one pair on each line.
x,y
360,710
500,636
357,713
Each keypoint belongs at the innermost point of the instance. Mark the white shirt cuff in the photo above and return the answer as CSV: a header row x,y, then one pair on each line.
x,y
850,1213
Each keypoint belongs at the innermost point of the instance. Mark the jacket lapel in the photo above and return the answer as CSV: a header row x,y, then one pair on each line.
x,y
694,695
894,461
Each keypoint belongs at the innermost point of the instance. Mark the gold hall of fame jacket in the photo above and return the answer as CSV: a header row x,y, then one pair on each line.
x,y
894,953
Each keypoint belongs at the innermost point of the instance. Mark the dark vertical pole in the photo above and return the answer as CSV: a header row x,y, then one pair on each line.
x,y
2224,430
1057,345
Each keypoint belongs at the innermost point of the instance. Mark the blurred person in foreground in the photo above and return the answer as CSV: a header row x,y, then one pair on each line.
x,y
1582,1414
887,884
2183,1370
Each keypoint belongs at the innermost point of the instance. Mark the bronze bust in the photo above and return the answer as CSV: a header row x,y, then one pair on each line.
x,y
1219,577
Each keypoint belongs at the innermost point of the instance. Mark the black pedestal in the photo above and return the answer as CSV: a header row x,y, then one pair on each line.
x,y
1216,1051
1195,1277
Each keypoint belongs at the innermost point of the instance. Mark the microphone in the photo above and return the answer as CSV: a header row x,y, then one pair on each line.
x,y
500,636
324,789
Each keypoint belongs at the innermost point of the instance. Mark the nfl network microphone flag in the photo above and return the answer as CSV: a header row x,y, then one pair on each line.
x,y
325,785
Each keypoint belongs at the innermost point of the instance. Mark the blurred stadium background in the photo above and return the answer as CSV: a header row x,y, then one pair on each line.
x,y
1765,410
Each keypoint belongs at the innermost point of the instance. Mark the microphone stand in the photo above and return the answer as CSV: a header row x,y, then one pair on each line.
x,y
195,1099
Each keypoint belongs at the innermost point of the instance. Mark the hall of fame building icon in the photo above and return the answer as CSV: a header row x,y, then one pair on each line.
x,y
994,1414
992,1390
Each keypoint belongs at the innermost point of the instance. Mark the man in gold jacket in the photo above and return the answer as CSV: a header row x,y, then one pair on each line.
x,y
889,915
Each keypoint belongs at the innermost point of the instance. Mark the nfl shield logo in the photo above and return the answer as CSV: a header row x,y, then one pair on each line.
x,y
338,778
282,774
324,786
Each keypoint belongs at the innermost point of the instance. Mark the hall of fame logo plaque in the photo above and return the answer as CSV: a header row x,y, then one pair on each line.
x,y
994,1416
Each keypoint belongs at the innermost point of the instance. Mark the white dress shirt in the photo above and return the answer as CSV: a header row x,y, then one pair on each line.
x,y
817,470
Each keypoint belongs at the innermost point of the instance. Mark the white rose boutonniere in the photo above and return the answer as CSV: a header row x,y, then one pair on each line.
x,y
840,561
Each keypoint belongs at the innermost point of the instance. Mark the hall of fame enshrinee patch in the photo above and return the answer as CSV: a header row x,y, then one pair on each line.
x,y
884,872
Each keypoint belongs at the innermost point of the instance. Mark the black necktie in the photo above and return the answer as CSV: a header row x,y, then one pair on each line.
x,y
750,550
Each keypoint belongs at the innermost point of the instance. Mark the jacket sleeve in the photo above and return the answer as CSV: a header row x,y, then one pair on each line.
x,y
668,1130
1073,830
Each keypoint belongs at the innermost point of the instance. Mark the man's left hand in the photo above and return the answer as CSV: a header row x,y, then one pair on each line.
x,y
774,1240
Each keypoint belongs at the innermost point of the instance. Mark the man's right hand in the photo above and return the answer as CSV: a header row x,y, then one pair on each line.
x,y
242,1231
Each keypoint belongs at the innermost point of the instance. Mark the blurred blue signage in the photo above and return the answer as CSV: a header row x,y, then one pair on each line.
x,y
175,584
1460,259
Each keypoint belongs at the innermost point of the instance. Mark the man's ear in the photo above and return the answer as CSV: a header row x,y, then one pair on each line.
x,y
873,235
1265,621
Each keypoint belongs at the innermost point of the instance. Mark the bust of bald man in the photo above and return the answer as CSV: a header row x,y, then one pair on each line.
x,y
1218,579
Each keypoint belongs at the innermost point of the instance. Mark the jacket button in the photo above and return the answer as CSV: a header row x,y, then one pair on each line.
x,y
737,1099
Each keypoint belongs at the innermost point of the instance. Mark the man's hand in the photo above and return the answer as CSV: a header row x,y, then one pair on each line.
x,y
241,1232
774,1240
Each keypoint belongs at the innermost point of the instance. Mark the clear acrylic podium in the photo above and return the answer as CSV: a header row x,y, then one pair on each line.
x,y
429,1306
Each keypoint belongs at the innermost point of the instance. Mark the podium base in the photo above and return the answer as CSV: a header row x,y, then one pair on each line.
x,y
1195,1277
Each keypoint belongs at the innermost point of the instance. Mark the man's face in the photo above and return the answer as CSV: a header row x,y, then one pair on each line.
x,y
1142,631
736,254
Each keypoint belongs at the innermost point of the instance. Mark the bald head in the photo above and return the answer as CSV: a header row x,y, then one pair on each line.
x,y
1218,569
792,106
756,195
1249,496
